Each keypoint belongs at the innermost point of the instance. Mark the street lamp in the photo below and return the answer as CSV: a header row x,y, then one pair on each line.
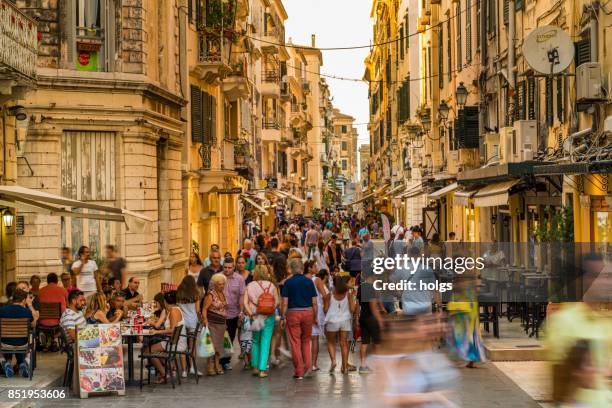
x,y
443,110
426,122
461,94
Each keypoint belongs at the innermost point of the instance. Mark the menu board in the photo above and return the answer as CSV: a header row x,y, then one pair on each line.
x,y
100,359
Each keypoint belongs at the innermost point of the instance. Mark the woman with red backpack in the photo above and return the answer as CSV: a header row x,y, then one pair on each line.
x,y
261,298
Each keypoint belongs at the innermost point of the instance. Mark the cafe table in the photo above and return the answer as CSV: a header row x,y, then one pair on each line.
x,y
131,338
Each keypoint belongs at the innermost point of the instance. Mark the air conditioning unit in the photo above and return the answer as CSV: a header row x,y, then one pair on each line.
x,y
491,147
526,133
589,83
507,145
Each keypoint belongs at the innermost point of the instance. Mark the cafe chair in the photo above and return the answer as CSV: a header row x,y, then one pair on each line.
x,y
50,311
68,348
191,352
18,328
167,356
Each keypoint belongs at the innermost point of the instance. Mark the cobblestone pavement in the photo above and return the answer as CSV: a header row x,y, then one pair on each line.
x,y
485,386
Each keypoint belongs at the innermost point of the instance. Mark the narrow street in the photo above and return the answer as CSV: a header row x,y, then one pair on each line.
x,y
482,387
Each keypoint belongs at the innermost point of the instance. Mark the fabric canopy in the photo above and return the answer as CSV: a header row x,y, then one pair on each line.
x,y
436,195
362,199
284,194
413,191
494,194
31,200
462,197
252,202
396,189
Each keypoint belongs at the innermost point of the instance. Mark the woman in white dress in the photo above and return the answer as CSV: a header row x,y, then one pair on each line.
x,y
321,281
320,256
194,266
339,308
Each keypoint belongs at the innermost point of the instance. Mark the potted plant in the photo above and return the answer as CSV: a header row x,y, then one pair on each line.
x,y
240,153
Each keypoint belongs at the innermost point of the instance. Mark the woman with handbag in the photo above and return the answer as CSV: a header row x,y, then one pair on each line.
x,y
261,298
213,317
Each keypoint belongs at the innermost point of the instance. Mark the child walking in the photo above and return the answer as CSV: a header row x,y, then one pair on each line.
x,y
246,342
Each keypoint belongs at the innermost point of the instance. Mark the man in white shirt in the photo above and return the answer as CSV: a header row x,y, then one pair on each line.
x,y
86,272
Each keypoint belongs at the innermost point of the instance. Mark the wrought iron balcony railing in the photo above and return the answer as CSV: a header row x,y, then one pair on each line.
x,y
18,41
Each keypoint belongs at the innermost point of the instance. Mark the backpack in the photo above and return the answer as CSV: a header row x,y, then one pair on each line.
x,y
265,301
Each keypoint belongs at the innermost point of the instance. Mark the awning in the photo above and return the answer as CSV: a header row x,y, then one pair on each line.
x,y
413,191
436,195
462,197
253,203
494,194
284,194
362,199
396,189
30,200
381,190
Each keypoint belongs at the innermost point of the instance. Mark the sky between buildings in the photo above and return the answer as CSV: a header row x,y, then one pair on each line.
x,y
337,23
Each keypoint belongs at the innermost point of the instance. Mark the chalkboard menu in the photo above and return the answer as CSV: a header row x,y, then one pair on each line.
x,y
100,359
19,225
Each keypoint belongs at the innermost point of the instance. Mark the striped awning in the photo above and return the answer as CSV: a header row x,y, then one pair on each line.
x,y
436,195
494,194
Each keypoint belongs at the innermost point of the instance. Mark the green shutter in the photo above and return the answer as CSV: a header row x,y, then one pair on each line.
x,y
506,12
582,52
518,5
440,56
549,101
458,36
560,97
531,85
478,16
467,128
468,31
448,50
196,115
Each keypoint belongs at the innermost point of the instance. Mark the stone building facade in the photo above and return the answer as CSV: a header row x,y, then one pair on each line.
x,y
107,127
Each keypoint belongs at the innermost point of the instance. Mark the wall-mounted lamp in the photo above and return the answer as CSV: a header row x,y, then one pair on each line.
x,y
8,218
461,94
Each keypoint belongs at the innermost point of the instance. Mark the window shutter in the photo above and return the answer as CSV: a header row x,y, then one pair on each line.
x,y
407,86
407,31
549,102
467,128
492,17
213,119
506,12
458,35
520,111
448,50
582,52
531,98
468,31
401,46
440,56
190,10
560,97
518,5
478,16
196,115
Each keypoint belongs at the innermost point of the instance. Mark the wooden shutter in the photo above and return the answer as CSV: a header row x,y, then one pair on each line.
x,y
407,30
440,55
448,50
560,97
467,128
401,44
506,12
549,102
458,35
478,16
582,52
88,165
196,115
531,85
492,20
520,108
468,31
213,119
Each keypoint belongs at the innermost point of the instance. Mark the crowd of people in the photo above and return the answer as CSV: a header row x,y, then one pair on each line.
x,y
279,295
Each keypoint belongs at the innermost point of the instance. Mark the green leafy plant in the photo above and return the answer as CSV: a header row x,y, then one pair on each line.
x,y
557,225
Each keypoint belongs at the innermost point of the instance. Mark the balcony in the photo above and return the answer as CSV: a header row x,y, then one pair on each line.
x,y
273,40
18,48
213,56
270,82
271,130
237,85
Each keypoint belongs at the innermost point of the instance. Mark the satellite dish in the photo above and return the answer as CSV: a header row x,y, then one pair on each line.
x,y
548,50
